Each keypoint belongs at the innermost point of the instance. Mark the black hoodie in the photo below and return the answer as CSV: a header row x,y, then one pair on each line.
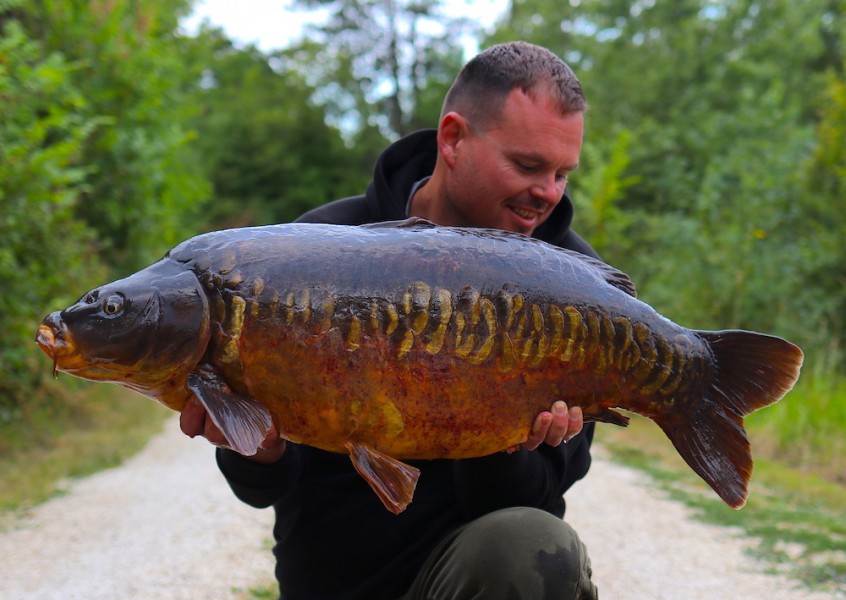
x,y
334,538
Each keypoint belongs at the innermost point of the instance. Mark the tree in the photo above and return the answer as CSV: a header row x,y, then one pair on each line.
x,y
141,174
95,167
267,147
386,62
42,246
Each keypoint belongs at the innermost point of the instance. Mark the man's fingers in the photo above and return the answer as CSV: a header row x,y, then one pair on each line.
x,y
192,419
576,423
559,424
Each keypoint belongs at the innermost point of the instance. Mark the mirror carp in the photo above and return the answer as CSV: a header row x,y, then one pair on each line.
x,y
408,340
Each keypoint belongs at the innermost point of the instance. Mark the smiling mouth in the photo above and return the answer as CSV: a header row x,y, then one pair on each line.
x,y
525,213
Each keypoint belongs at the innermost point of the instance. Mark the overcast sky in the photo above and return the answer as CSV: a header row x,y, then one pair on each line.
x,y
272,24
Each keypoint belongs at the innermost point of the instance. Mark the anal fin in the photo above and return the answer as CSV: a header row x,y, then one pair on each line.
x,y
606,415
392,480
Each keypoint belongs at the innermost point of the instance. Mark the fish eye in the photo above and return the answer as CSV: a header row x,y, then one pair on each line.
x,y
113,305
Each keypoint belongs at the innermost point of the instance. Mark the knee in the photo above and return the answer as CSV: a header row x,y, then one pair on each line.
x,y
520,530
528,548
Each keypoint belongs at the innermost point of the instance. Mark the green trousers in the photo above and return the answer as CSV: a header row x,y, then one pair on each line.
x,y
510,554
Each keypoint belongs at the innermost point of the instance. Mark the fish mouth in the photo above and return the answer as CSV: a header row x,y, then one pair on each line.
x,y
55,341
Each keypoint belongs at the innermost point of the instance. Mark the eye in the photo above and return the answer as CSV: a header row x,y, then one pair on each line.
x,y
525,167
113,305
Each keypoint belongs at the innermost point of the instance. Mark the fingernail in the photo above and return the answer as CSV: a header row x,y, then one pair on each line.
x,y
559,409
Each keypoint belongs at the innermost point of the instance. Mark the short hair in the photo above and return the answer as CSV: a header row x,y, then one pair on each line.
x,y
481,87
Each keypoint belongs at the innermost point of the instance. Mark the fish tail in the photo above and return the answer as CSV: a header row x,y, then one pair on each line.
x,y
752,370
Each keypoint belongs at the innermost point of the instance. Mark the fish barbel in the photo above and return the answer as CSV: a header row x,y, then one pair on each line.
x,y
413,341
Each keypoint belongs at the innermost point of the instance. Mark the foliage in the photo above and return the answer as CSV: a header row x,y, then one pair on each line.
x,y
140,173
823,295
266,145
43,131
93,158
602,184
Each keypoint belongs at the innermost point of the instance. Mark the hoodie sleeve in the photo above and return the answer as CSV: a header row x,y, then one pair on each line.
x,y
261,485
537,479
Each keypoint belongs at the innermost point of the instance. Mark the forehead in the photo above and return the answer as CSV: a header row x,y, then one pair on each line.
x,y
535,123
533,108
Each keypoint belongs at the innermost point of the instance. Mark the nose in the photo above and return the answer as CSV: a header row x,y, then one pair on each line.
x,y
549,188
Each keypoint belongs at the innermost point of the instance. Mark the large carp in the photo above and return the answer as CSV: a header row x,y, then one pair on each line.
x,y
413,341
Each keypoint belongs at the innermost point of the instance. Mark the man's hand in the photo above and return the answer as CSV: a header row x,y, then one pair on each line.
x,y
194,420
553,427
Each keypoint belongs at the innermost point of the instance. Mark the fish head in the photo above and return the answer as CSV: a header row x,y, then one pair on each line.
x,y
145,331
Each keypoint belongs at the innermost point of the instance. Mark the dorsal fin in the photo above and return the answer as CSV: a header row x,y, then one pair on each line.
x,y
612,276
409,222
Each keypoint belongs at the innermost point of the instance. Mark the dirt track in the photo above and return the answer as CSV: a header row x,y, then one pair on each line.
x,y
165,526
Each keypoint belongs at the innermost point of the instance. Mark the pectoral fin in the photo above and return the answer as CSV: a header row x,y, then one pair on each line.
x,y
392,480
243,420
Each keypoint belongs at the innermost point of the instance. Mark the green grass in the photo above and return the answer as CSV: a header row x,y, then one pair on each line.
x,y
80,429
807,429
270,591
795,518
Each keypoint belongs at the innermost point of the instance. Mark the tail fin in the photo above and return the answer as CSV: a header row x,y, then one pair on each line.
x,y
751,371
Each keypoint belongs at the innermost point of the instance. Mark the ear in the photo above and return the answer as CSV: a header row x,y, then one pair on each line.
x,y
451,131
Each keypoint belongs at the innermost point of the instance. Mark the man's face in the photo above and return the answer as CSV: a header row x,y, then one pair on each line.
x,y
512,174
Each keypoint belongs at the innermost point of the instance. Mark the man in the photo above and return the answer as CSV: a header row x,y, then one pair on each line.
x,y
509,134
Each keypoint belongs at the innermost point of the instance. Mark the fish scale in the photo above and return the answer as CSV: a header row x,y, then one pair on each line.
x,y
412,341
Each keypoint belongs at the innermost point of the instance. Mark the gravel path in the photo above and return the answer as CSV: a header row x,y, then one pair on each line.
x,y
165,526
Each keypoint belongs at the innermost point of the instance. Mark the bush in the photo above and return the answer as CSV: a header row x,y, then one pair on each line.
x,y
42,245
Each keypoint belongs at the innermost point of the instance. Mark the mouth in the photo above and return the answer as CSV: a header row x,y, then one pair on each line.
x,y
528,217
46,340
524,213
55,341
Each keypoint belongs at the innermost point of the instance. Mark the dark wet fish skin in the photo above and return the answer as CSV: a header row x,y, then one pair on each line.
x,y
389,337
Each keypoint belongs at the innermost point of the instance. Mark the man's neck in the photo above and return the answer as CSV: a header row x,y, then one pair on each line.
x,y
427,203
